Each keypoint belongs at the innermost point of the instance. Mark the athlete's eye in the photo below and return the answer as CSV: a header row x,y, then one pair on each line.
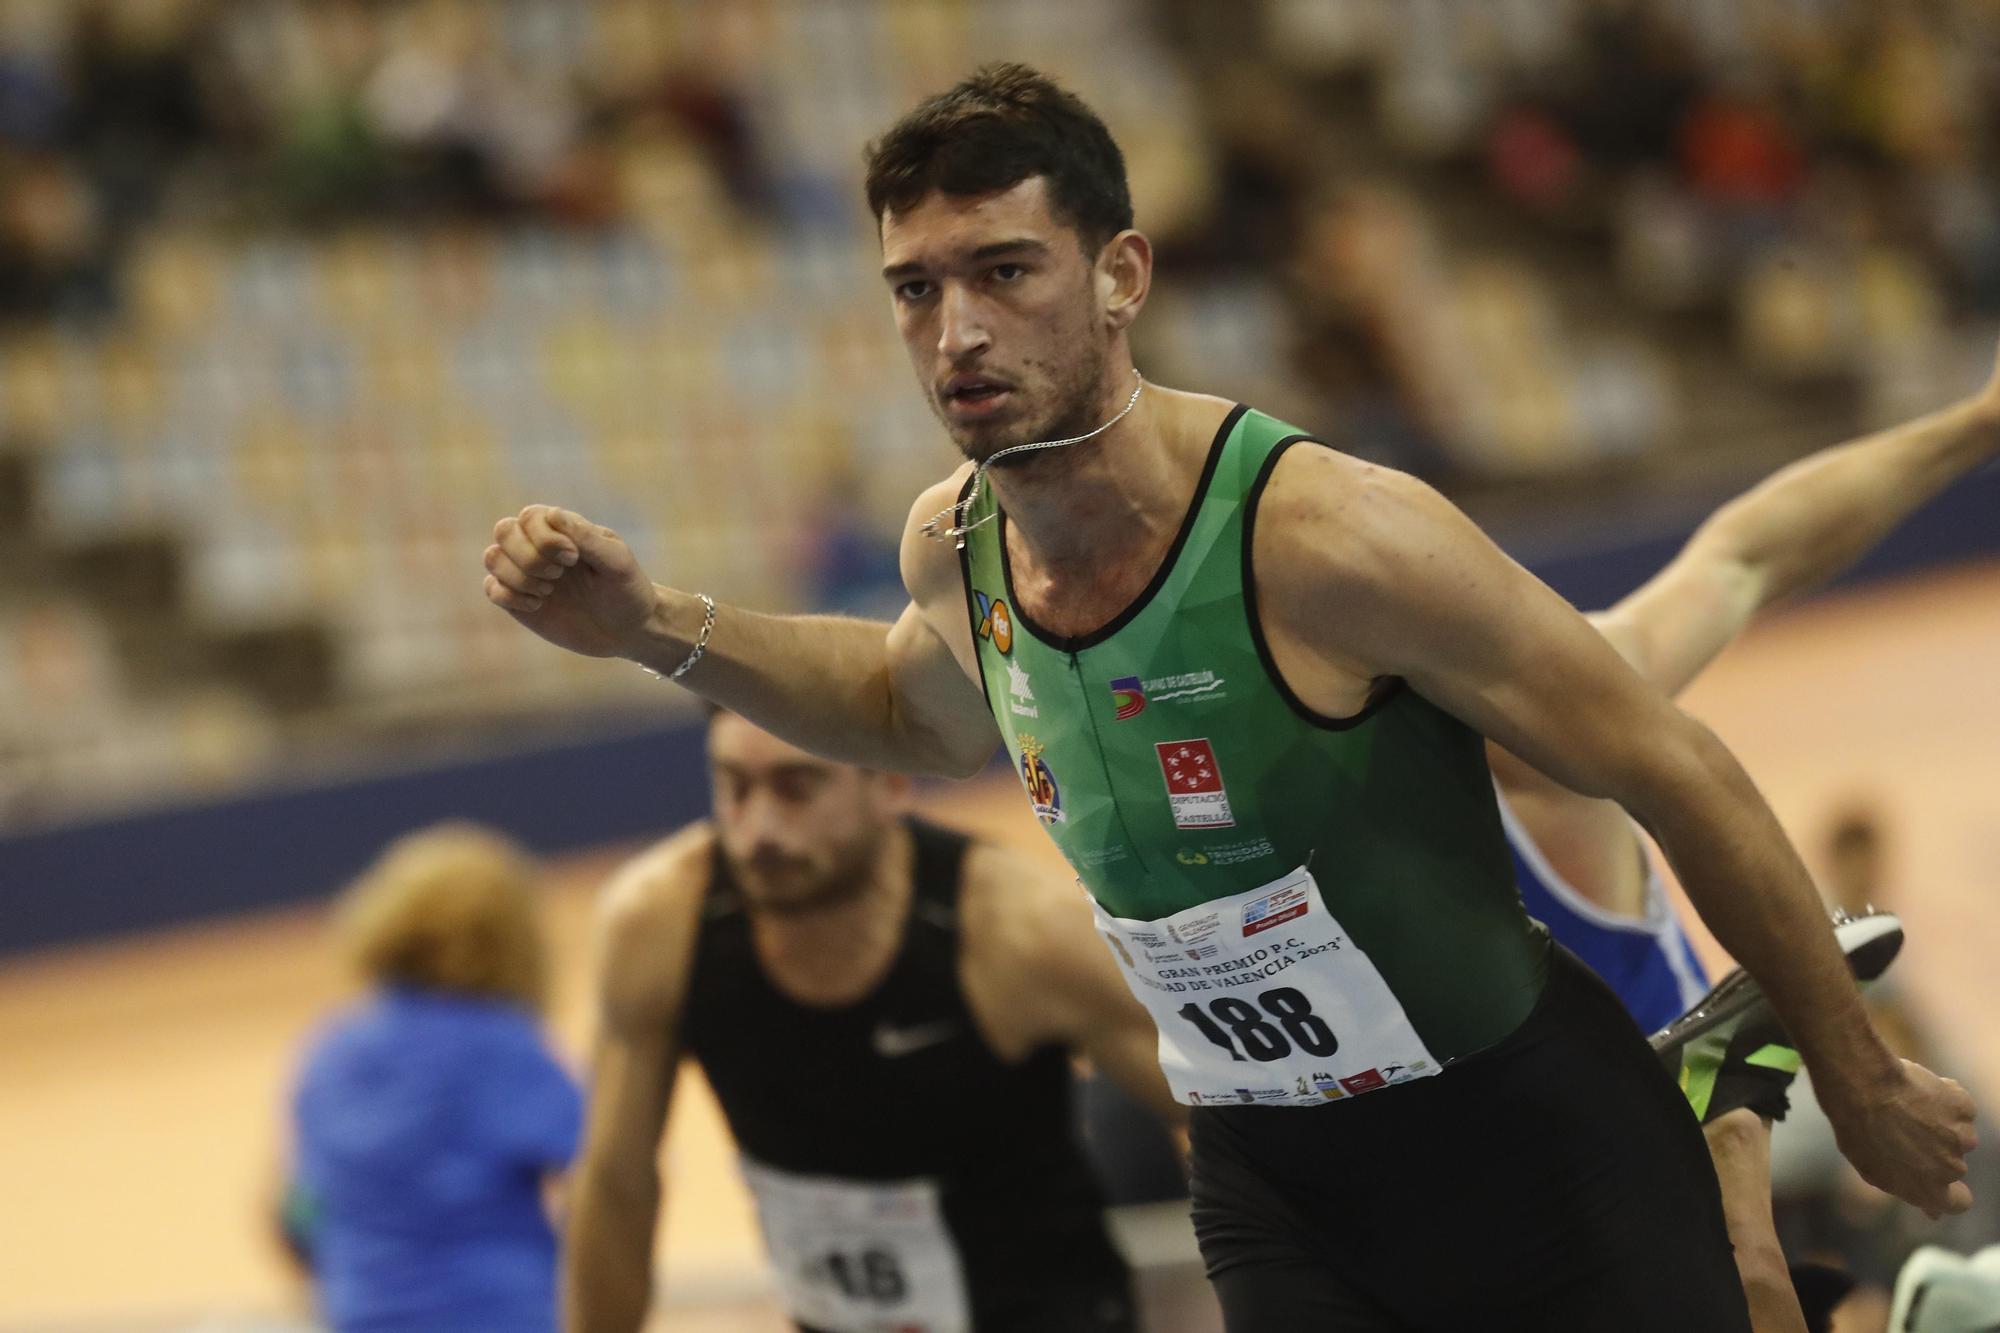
x,y
795,787
915,290
1009,272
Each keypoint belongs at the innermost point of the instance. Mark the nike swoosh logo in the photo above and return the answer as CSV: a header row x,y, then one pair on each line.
x,y
891,1042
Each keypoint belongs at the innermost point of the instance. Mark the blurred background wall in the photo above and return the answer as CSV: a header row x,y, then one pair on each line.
x,y
297,298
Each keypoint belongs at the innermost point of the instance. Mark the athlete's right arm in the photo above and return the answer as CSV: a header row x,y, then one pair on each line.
x,y
645,947
898,696
1793,531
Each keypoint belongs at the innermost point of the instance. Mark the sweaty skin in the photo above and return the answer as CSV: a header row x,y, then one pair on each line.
x,y
1422,595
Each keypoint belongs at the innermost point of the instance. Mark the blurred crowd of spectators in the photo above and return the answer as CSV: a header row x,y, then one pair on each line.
x,y
286,111
296,296
1528,237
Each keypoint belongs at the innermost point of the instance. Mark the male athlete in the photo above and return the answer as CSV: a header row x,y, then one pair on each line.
x,y
886,1012
1245,679
1583,872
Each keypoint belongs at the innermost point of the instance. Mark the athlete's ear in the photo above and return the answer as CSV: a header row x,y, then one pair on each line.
x,y
1124,275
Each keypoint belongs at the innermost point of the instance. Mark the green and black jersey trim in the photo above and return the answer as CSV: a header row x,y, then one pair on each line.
x,y
1385,691
965,578
1077,643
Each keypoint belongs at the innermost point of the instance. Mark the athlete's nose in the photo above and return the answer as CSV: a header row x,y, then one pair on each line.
x,y
962,331
758,817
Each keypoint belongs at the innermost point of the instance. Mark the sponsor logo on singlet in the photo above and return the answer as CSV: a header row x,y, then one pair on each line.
x,y
1022,700
995,622
1128,696
1194,784
893,1042
1187,686
1043,793
1229,854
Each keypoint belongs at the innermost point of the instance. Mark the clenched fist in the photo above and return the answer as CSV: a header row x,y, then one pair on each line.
x,y
1909,1138
573,582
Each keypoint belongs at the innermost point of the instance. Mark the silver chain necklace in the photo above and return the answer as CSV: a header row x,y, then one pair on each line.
x,y
959,528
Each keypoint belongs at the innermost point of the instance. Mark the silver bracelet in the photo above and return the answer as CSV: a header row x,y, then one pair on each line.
x,y
700,642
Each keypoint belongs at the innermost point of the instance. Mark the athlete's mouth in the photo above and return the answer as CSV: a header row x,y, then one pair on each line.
x,y
973,395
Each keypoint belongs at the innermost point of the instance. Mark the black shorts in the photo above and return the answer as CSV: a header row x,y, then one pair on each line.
x,y
1556,1182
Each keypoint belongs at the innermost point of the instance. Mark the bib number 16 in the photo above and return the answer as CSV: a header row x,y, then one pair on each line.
x,y
1281,1020
873,1275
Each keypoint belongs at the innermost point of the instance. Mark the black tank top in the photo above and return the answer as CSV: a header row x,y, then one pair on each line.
x,y
900,1085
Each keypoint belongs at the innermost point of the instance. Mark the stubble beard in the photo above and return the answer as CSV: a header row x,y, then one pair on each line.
x,y
1074,409
848,877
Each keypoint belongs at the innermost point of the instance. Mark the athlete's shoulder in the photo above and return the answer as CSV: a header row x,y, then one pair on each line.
x,y
1328,521
1036,972
929,561
1018,920
661,878
1017,910
648,915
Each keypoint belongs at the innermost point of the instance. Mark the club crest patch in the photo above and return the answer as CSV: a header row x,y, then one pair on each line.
x,y
1043,793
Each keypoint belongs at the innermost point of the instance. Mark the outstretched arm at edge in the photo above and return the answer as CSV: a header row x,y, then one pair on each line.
x,y
1798,528
895,696
1794,531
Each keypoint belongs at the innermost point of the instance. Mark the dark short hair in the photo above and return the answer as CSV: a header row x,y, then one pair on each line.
x,y
996,129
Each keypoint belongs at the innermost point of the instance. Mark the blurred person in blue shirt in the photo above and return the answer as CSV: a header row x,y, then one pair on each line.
x,y
431,1119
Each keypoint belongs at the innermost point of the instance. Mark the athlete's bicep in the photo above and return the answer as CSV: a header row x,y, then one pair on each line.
x,y
934,701
1428,598
644,954
1667,631
1059,983
1124,1046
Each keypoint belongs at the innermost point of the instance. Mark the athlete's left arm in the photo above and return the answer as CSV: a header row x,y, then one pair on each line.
x,y
1038,974
1795,530
1370,574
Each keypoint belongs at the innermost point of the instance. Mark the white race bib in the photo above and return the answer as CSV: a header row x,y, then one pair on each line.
x,y
860,1256
1263,998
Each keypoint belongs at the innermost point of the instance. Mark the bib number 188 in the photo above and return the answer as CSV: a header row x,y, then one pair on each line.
x,y
1230,1021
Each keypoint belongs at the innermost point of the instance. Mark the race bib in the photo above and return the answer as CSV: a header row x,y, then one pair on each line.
x,y
1263,998
858,1256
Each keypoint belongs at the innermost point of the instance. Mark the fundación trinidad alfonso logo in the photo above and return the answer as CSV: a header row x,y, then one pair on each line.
x,y
1129,697
995,621
1043,794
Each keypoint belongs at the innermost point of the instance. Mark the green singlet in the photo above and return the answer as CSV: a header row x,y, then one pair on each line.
x,y
1173,767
